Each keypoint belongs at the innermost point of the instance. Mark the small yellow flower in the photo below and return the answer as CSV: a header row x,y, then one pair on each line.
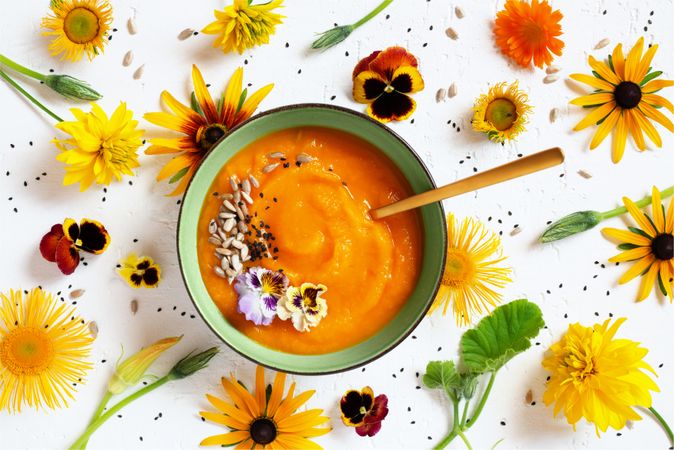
x,y
100,148
304,305
43,349
243,25
472,273
598,377
502,112
80,26
140,271
132,370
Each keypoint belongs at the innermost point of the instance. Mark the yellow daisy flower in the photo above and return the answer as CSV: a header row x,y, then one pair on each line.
x,y
100,148
243,25
202,125
140,272
598,377
502,112
258,421
651,245
471,271
624,99
43,346
80,26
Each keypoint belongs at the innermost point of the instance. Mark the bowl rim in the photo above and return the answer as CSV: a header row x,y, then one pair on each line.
x,y
444,232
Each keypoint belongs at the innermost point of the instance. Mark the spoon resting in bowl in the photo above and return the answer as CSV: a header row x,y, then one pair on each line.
x,y
523,166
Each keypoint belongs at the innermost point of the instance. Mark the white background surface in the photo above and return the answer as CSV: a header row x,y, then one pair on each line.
x,y
553,276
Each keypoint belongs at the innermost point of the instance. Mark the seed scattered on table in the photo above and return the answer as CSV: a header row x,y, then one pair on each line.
x,y
131,26
128,59
186,33
554,112
93,329
139,72
134,306
77,293
440,95
459,12
451,33
585,174
452,91
601,44
552,69
550,79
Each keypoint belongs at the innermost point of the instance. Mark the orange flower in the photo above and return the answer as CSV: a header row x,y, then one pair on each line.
x,y
526,31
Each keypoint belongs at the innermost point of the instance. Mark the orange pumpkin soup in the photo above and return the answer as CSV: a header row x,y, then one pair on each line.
x,y
316,213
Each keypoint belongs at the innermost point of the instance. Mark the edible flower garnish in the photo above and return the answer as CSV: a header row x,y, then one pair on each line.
x,y
101,148
202,125
43,349
472,273
502,112
242,25
361,409
527,32
62,244
624,99
383,80
303,305
651,244
259,291
80,26
140,271
264,419
598,377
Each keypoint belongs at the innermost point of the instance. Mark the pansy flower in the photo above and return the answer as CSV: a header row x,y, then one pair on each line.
x,y
361,409
259,291
62,244
383,80
303,305
140,271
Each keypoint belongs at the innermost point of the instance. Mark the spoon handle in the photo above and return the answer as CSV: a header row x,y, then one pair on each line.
x,y
523,166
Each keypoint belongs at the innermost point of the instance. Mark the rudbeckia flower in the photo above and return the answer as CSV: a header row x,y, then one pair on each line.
x,y
62,244
259,291
383,80
140,272
303,305
361,409
502,112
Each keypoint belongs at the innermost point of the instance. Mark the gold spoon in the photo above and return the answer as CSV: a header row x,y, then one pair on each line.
x,y
523,166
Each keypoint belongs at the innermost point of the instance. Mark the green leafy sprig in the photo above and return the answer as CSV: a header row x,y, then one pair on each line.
x,y
505,333
337,34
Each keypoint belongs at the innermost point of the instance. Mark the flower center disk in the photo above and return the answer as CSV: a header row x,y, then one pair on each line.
x,y
81,25
627,94
501,113
26,351
263,430
207,137
663,247
458,268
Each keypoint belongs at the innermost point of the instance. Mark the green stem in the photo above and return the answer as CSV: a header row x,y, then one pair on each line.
x,y
101,407
641,203
81,442
456,426
663,424
465,413
372,13
35,101
483,400
465,440
21,69
445,441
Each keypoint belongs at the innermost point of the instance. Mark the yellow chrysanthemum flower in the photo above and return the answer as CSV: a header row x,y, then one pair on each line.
x,y
80,26
260,422
502,112
243,25
100,148
471,274
598,377
43,346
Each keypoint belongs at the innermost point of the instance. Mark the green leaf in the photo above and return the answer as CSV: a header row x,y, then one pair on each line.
x,y
442,375
650,76
610,62
195,104
626,246
569,225
242,99
661,284
468,385
639,232
181,173
267,393
500,336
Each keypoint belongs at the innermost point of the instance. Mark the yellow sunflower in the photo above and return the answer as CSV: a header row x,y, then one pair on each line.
x,y
472,273
243,25
43,346
598,377
261,421
624,99
502,112
80,26
202,125
100,148
651,245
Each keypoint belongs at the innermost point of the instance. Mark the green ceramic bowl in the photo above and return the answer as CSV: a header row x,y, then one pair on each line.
x,y
434,227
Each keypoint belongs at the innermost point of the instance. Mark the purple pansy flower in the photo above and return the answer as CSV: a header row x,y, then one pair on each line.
x,y
259,290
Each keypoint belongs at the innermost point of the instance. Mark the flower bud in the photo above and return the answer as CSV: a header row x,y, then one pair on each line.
x,y
571,224
72,88
192,363
332,37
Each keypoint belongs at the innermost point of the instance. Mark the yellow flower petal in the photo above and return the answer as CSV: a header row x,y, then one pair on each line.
x,y
637,269
618,61
639,217
656,115
626,236
251,103
635,130
656,85
593,99
595,116
226,439
631,255
633,61
593,81
604,128
658,216
656,100
620,138
231,98
203,96
648,281
603,70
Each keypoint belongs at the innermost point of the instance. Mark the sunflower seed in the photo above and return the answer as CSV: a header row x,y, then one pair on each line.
x,y
239,213
77,293
268,168
552,69
227,242
247,198
219,272
233,183
440,95
187,32
245,186
217,255
244,209
93,329
227,196
244,252
601,44
231,274
554,112
516,230
550,79
222,233
215,241
131,25
254,181
229,224
585,174
237,196
277,155
451,33
239,237
529,397
226,215
212,227
139,72
238,244
242,227
223,251
236,262
128,59
134,306
452,91
227,204
459,12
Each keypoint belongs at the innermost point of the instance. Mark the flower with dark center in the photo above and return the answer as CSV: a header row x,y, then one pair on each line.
x,y
140,271
362,410
62,244
627,94
263,430
502,112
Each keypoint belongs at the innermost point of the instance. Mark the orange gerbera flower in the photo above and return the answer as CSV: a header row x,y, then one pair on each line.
x,y
528,31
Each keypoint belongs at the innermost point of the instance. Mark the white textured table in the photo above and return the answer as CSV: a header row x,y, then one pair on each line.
x,y
140,218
